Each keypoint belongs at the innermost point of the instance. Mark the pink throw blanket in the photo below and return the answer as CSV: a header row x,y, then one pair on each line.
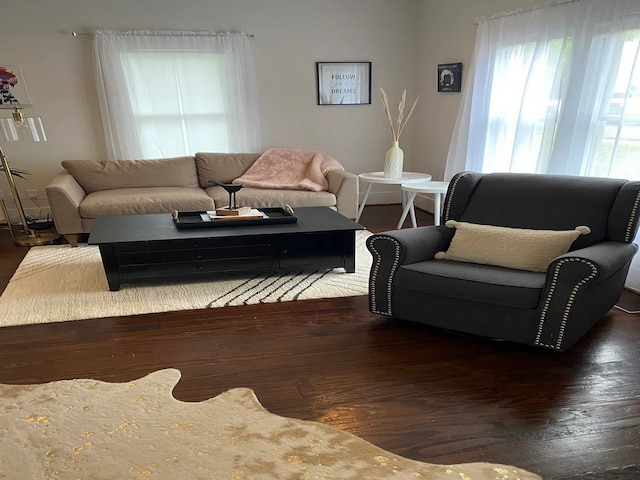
x,y
288,169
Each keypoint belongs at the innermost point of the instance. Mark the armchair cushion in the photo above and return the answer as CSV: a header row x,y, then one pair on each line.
x,y
480,283
517,248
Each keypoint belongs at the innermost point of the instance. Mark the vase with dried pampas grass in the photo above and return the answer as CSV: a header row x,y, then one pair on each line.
x,y
394,159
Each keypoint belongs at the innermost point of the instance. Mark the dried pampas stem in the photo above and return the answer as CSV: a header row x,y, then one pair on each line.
x,y
408,115
396,130
385,105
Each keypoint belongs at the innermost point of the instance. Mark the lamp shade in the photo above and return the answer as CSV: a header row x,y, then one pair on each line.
x,y
27,129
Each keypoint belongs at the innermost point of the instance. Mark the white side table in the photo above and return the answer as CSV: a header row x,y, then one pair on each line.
x,y
378,177
414,188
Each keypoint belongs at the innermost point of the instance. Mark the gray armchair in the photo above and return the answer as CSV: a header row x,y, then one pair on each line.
x,y
549,309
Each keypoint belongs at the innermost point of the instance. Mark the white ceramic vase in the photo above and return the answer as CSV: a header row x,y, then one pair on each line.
x,y
393,161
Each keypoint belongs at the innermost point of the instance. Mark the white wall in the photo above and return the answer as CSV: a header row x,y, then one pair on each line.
x,y
290,36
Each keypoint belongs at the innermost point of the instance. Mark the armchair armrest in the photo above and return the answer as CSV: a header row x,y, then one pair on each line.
x,y
569,303
410,245
345,187
392,249
65,195
609,257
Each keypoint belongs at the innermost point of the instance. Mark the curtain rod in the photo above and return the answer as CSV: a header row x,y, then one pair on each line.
x,y
177,34
557,3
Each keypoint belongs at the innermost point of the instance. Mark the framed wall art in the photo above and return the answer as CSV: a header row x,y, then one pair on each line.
x,y
450,77
13,91
343,83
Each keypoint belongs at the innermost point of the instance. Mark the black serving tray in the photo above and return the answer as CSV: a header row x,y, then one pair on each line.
x,y
201,219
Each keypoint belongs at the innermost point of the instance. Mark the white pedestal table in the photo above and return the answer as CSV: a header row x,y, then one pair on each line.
x,y
414,188
378,177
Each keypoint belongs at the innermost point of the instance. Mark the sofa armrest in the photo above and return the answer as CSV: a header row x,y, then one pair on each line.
x,y
569,301
345,187
65,195
392,249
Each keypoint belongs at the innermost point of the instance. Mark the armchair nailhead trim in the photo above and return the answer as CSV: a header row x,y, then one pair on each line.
x,y
375,270
570,301
634,211
447,207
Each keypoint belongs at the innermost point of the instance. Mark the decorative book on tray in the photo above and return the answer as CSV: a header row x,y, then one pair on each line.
x,y
237,213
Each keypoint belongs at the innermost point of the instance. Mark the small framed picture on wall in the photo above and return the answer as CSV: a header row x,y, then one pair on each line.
x,y
343,83
450,77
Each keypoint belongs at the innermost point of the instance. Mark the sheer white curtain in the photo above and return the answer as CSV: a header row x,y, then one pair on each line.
x,y
165,94
554,90
541,88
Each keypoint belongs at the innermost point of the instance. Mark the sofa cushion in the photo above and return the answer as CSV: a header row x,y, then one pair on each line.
x,y
263,198
518,248
222,167
482,283
134,201
114,174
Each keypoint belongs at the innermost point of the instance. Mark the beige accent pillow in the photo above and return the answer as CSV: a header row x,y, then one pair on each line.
x,y
518,248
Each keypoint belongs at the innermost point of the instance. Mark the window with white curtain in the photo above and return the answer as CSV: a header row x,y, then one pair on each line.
x,y
167,94
554,90
616,131
174,110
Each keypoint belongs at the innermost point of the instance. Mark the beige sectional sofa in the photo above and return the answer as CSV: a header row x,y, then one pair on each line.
x,y
87,189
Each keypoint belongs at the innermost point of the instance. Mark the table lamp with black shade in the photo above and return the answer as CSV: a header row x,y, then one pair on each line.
x,y
21,128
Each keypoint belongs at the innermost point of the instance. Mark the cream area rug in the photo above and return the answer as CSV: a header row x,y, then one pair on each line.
x,y
60,283
88,429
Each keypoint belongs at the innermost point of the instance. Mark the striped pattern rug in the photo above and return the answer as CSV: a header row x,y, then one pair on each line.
x,y
60,283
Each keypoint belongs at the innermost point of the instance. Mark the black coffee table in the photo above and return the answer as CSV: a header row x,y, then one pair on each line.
x,y
145,248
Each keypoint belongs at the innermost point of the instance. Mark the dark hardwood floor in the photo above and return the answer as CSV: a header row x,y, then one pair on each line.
x,y
410,389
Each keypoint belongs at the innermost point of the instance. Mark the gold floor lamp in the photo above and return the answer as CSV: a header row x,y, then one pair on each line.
x,y
20,128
